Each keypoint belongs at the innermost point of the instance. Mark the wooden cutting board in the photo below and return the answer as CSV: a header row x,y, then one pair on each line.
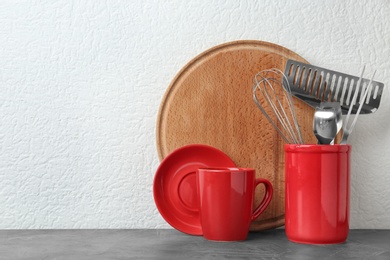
x,y
210,102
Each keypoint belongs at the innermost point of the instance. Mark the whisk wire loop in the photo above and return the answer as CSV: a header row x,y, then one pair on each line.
x,y
266,84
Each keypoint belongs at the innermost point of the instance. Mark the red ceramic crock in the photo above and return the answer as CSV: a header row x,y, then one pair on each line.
x,y
317,193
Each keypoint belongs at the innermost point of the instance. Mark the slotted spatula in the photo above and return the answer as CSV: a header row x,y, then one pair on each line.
x,y
314,85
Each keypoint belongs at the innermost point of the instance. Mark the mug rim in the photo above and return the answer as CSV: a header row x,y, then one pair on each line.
x,y
225,169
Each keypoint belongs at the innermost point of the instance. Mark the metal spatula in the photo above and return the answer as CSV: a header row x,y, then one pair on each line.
x,y
314,85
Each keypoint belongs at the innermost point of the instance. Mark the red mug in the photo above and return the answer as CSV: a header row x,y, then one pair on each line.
x,y
317,193
226,198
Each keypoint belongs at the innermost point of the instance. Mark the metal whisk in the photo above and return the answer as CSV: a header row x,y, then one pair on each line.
x,y
272,95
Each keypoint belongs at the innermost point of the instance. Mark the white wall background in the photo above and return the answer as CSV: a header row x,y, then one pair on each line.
x,y
81,84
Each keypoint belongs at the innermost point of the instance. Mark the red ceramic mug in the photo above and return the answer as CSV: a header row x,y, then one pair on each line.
x,y
226,198
317,193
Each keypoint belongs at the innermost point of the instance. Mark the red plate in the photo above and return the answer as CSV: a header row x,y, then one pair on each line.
x,y
174,186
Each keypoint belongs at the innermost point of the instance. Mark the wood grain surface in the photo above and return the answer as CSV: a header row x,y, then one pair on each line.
x,y
210,102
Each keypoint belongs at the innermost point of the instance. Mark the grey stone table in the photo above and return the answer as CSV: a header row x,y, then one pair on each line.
x,y
172,244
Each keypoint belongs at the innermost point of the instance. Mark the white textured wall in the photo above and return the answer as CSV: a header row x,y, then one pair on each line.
x,y
81,83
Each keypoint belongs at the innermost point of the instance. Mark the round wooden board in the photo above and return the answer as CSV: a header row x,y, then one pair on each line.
x,y
210,102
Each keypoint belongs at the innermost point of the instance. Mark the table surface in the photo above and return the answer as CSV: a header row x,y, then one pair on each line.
x,y
172,244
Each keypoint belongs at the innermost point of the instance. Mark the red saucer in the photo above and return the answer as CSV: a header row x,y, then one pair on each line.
x,y
174,186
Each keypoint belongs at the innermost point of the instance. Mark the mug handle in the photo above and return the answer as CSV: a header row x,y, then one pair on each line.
x,y
267,197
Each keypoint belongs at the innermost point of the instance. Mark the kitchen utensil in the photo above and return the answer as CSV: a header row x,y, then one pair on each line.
x,y
313,85
174,185
209,101
267,97
317,193
347,129
325,125
226,198
339,116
